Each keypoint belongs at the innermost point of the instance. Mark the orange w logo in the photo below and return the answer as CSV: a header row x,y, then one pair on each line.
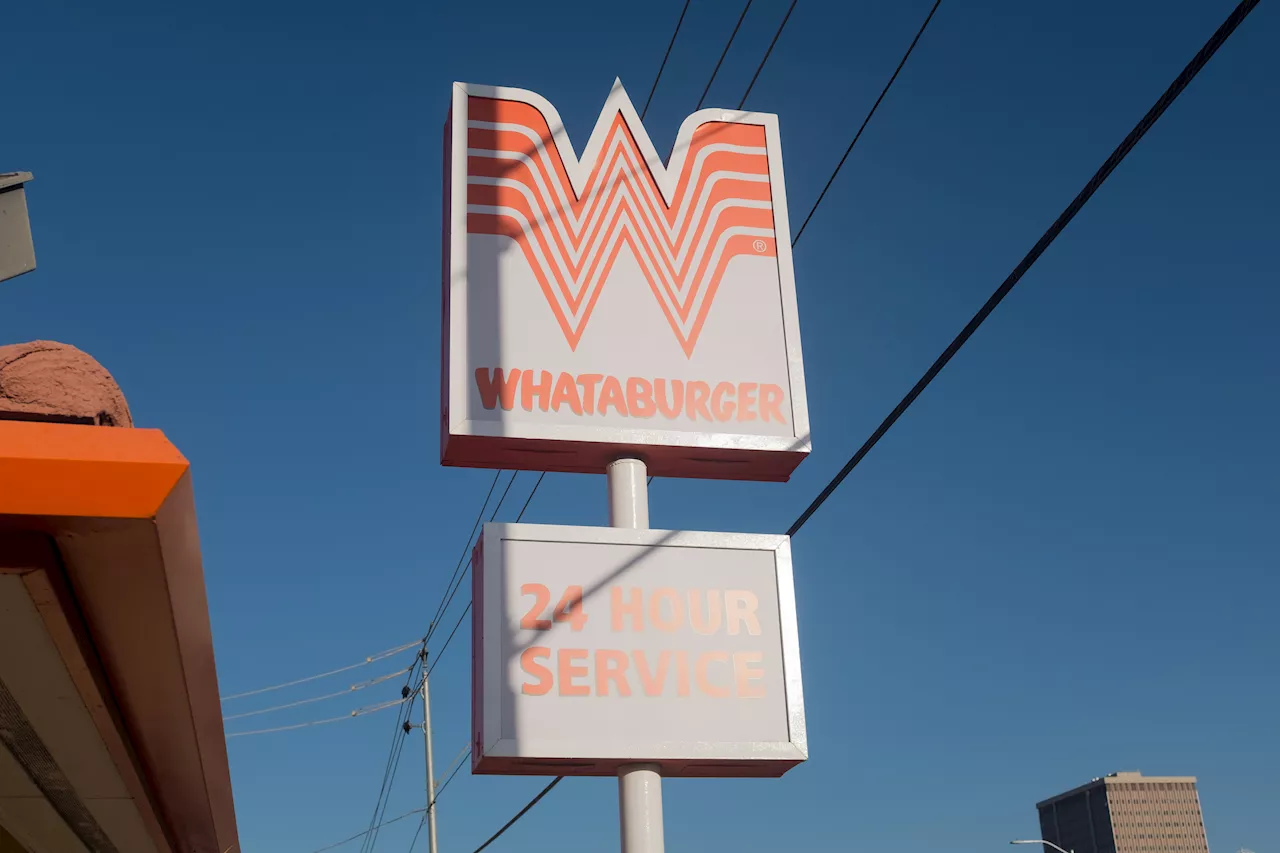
x,y
571,219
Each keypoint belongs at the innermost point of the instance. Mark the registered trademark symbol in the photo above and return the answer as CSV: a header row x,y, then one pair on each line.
x,y
759,245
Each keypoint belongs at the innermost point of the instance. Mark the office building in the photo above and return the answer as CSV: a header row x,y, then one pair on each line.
x,y
1126,813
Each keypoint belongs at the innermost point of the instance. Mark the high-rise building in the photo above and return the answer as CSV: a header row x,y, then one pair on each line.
x,y
1126,813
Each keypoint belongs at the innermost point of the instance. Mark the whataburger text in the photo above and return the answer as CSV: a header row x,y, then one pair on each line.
x,y
636,397
627,672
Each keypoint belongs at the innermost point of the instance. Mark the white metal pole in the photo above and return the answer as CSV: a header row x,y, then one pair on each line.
x,y
628,494
431,770
639,785
640,804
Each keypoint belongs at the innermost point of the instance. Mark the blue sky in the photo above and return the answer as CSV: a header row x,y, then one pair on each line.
x,y
1061,563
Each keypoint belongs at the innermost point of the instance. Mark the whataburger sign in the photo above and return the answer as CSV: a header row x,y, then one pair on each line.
x,y
611,307
596,647
607,304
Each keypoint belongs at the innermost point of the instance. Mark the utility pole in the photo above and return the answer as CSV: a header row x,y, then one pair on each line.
x,y
431,770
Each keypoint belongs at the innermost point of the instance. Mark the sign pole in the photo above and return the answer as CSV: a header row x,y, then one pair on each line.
x,y
639,785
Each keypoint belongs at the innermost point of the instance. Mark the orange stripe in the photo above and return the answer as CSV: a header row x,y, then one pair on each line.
x,y
626,224
512,142
85,471
551,207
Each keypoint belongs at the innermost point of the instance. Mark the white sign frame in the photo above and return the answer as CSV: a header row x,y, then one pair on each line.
x,y
519,444
493,754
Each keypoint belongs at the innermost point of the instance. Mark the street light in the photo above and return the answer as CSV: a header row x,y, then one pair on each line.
x,y
1041,841
17,255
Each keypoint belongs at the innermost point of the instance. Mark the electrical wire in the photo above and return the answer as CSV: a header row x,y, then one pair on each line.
x,y
398,735
460,762
456,586
359,712
760,67
417,832
465,550
380,815
723,54
521,813
466,750
395,819
1176,88
443,610
532,492
503,499
454,591
456,625
1104,171
383,655
361,686
408,814
467,609
665,57
457,762
866,121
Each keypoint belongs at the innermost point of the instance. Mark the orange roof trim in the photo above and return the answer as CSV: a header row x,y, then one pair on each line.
x,y
101,472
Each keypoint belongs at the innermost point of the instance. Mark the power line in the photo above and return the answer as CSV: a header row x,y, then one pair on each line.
x,y
397,818
503,499
455,764
456,586
358,835
359,712
1170,95
408,814
456,625
398,737
466,750
393,755
379,815
867,120
467,609
417,832
532,492
521,813
466,548
361,686
370,659
723,54
397,747
1104,171
462,577
460,762
760,67
665,56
